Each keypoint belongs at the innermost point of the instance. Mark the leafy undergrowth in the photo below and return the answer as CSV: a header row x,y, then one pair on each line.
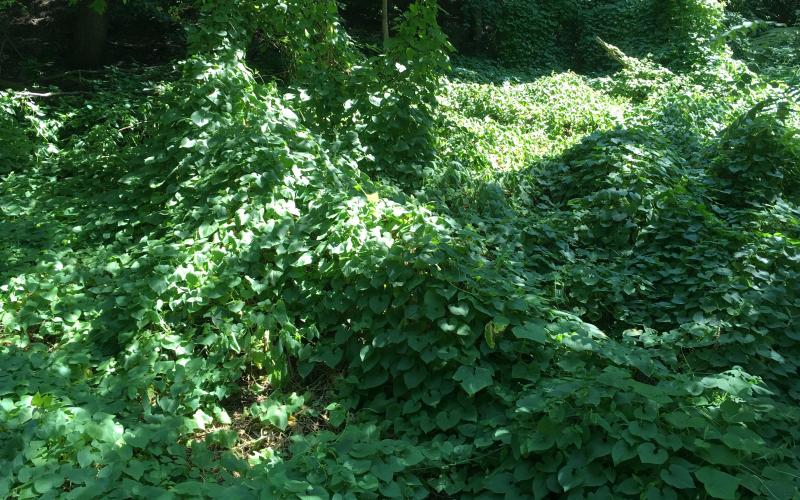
x,y
585,287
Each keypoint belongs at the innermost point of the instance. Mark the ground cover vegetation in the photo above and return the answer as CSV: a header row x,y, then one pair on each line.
x,y
557,258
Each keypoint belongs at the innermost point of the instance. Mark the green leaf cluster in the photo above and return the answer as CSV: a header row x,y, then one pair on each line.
x,y
398,285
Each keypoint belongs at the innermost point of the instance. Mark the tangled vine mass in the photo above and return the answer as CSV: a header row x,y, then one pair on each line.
x,y
517,249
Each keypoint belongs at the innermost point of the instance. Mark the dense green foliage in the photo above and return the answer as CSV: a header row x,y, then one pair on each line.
x,y
561,34
386,279
784,11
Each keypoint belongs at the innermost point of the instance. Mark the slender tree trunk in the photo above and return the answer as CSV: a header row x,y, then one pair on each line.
x,y
91,31
385,20
477,27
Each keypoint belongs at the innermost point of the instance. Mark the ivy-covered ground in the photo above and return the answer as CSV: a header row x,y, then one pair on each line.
x,y
387,278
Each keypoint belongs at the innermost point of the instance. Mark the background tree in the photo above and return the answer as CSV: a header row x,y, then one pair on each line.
x,y
91,33
385,20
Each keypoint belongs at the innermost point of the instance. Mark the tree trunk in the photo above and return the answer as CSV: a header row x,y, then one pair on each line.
x,y
477,27
91,31
385,20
